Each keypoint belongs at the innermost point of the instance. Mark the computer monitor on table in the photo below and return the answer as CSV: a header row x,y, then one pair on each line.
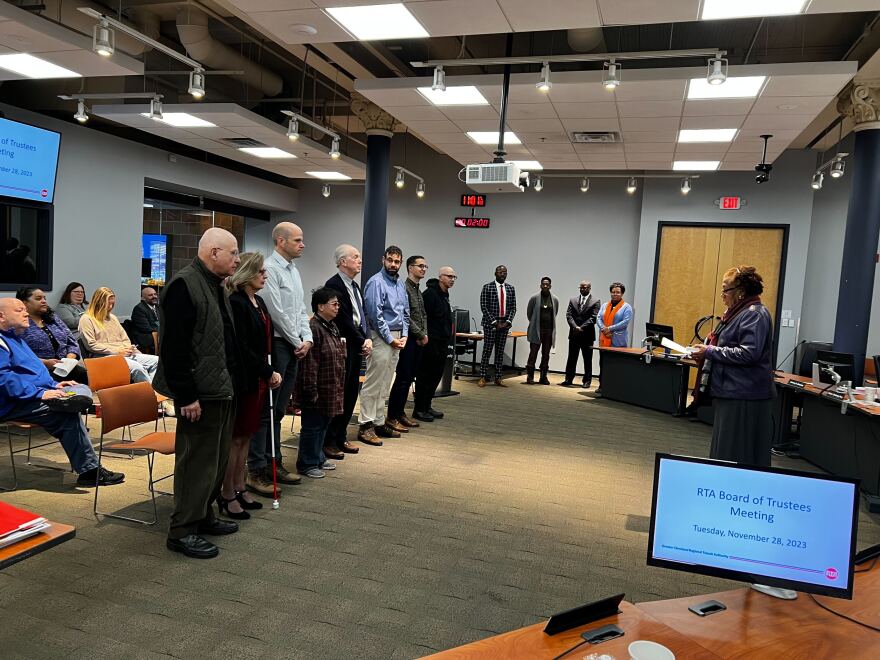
x,y
842,363
658,332
770,526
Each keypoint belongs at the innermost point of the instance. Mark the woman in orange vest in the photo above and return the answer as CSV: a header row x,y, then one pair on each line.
x,y
614,318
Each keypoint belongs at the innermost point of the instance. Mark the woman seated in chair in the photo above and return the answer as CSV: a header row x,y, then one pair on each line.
x,y
102,334
48,337
72,306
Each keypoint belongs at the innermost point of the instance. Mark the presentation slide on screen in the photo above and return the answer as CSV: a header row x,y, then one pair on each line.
x,y
28,160
788,527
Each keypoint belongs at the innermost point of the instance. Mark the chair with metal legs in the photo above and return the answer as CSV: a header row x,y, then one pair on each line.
x,y
123,406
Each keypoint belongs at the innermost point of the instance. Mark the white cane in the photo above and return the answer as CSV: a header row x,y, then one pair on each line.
x,y
275,504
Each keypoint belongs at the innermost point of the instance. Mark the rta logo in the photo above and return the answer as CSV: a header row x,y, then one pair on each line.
x,y
44,193
831,573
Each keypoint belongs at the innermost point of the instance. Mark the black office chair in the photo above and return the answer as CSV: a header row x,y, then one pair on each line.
x,y
462,345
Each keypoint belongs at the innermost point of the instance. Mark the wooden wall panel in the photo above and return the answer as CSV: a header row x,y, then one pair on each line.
x,y
761,248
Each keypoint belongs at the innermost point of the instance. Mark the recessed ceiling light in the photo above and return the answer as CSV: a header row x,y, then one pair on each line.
x,y
713,9
463,95
33,67
374,22
743,87
491,137
695,165
330,176
182,120
266,152
707,135
527,165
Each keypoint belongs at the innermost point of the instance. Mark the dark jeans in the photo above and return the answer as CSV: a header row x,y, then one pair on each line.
x,y
78,373
201,451
430,373
407,367
68,427
576,347
286,364
336,431
545,346
311,440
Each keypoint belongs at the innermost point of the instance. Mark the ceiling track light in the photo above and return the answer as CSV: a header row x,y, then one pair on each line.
x,y
420,189
611,75
325,190
838,167
539,184
685,186
439,82
631,185
103,39
717,70
585,184
400,180
197,83
334,149
81,115
293,129
818,180
156,109
544,84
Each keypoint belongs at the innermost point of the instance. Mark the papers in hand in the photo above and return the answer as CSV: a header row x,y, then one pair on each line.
x,y
678,348
64,366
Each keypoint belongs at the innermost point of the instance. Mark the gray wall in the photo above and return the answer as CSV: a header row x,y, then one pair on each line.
x,y
99,203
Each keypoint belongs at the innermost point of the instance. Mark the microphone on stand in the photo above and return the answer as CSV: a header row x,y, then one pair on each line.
x,y
782,361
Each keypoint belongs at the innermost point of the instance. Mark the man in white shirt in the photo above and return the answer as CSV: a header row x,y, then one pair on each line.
x,y
285,300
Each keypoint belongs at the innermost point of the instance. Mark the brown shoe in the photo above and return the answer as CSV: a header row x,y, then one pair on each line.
x,y
257,482
397,426
406,421
481,382
349,448
334,453
367,435
386,431
283,476
500,383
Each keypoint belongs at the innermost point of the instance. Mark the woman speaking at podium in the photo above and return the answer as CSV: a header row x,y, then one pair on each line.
x,y
736,371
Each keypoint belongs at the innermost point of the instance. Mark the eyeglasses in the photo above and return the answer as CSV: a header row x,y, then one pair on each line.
x,y
728,290
333,303
234,253
451,277
420,266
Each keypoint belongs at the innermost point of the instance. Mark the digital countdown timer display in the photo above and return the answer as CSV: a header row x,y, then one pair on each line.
x,y
473,201
472,223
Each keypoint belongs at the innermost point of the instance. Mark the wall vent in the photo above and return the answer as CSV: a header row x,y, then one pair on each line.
x,y
243,142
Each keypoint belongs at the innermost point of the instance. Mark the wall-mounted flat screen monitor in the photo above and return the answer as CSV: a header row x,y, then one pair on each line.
x,y
28,161
155,252
770,526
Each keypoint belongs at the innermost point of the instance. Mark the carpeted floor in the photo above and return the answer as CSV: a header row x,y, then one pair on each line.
x,y
523,501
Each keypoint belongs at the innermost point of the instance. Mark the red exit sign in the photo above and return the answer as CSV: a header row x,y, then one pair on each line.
x,y
473,201
472,223
729,203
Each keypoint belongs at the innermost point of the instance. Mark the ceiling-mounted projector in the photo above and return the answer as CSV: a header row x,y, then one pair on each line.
x,y
496,177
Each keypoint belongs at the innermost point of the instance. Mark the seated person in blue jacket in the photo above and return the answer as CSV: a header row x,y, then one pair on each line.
x,y
26,386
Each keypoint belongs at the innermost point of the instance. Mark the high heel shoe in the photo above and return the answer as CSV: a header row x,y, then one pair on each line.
x,y
223,505
245,504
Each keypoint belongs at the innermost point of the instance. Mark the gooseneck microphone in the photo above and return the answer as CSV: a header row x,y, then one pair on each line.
x,y
782,361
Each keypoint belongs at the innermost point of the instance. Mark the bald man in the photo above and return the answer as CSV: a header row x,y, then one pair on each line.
x,y
199,368
25,389
439,313
581,316
285,300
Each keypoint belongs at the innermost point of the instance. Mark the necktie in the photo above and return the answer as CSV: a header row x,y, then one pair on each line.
x,y
501,310
357,297
583,301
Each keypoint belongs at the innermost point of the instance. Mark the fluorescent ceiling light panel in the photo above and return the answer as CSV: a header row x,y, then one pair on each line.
x,y
707,135
374,22
491,137
713,9
696,165
181,120
266,152
463,95
33,67
528,165
330,176
743,87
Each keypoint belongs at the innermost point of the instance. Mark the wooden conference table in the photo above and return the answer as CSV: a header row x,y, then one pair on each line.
x,y
478,336
753,626
55,535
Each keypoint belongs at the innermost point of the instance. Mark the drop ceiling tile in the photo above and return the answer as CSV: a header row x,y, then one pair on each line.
x,y
685,151
711,107
639,164
416,112
790,105
530,16
20,37
650,123
828,6
642,12
535,125
250,6
214,132
747,133
650,90
637,149
652,109
551,150
478,124
718,121
443,126
199,143
734,167
445,17
769,123
805,85
470,112
599,150
283,26
650,136
531,111
601,109
393,98
561,164
604,165
457,137
579,93
526,93
556,137
597,124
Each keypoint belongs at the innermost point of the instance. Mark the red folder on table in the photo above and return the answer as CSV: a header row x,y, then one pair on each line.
x,y
13,519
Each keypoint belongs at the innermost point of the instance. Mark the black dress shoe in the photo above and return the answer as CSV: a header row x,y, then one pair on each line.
x,y
219,528
103,476
436,414
423,416
193,546
566,383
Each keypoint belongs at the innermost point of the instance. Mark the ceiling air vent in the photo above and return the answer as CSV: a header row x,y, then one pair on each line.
x,y
243,142
595,137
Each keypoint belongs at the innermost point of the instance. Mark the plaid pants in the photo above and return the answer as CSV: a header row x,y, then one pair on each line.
x,y
493,338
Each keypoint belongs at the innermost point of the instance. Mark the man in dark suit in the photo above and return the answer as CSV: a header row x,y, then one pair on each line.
x,y
352,324
498,304
145,319
582,312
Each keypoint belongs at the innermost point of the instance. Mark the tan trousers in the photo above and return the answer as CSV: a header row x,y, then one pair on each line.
x,y
381,367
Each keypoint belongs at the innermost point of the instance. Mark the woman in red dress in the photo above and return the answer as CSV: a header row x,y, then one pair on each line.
x,y
253,329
